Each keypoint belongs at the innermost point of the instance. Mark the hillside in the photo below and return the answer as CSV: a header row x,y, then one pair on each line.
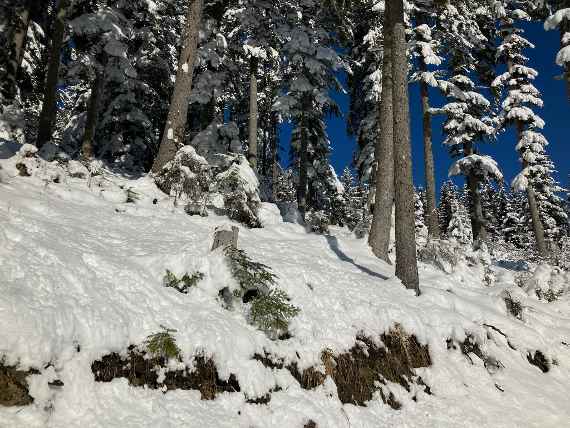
x,y
81,273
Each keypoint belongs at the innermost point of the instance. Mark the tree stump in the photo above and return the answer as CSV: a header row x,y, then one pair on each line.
x,y
225,236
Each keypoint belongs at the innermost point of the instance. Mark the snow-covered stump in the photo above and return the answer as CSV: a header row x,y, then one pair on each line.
x,y
225,236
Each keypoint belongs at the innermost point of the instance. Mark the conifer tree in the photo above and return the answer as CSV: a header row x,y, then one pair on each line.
x,y
48,114
426,51
536,177
379,238
308,44
468,119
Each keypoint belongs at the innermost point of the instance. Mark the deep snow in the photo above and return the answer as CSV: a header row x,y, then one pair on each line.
x,y
79,266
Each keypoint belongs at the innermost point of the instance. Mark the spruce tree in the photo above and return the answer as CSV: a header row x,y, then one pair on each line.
x,y
308,44
468,120
520,97
426,50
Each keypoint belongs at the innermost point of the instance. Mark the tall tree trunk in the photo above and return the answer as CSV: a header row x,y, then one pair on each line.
x,y
303,160
406,261
478,223
252,151
379,238
49,107
91,121
537,226
173,135
274,153
431,211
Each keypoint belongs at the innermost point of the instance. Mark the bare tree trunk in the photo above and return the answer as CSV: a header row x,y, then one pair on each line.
x,y
274,154
431,211
406,261
252,151
173,135
49,107
537,226
478,223
379,239
303,159
91,121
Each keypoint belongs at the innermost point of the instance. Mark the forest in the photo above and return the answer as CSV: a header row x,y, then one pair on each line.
x,y
157,122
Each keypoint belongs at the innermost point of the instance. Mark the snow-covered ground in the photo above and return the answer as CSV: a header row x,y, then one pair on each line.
x,y
82,269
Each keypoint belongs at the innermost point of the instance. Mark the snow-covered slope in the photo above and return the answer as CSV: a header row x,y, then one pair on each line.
x,y
81,276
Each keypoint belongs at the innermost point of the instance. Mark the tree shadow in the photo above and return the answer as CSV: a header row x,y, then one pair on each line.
x,y
333,244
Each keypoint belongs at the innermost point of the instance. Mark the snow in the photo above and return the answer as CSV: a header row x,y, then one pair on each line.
x,y
554,21
484,166
79,268
563,56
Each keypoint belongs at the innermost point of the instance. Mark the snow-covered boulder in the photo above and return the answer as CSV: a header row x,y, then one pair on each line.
x,y
240,188
546,283
77,170
186,177
269,214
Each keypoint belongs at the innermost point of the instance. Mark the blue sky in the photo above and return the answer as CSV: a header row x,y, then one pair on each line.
x,y
556,113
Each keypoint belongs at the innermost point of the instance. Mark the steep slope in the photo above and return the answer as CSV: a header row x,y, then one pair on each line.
x,y
81,277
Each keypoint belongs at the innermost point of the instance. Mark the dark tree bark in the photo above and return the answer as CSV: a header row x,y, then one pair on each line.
x,y
252,150
274,153
49,107
379,238
537,226
406,261
431,211
92,111
303,160
478,222
173,135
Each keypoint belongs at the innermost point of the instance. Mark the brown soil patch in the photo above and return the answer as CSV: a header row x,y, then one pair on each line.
x,y
366,368
141,370
14,386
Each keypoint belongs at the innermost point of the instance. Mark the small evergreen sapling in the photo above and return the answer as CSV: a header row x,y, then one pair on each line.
x,y
163,344
270,308
182,284
249,274
271,312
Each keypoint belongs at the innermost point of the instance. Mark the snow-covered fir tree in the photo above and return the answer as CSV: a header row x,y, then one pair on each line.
x,y
426,52
521,97
467,112
250,28
309,76
365,83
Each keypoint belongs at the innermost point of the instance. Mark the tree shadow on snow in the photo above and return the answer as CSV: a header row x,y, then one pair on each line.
x,y
333,244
